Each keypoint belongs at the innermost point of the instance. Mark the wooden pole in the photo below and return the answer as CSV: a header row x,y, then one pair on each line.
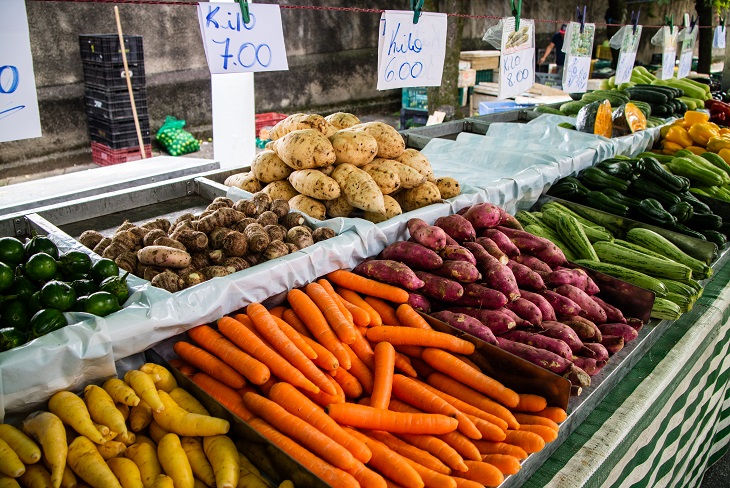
x,y
129,83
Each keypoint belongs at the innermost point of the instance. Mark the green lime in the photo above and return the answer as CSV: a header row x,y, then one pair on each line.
x,y
74,264
47,320
57,294
15,314
104,268
41,244
12,251
23,287
41,267
101,303
7,275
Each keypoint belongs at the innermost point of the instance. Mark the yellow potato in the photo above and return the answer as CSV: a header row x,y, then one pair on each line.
x,y
223,456
175,419
199,463
121,392
9,482
174,461
27,450
157,432
103,410
162,481
166,382
72,411
126,472
89,465
49,431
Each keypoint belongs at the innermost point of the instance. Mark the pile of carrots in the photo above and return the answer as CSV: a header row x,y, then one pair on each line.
x,y
355,385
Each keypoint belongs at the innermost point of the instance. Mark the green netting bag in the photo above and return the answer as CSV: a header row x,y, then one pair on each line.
x,y
175,139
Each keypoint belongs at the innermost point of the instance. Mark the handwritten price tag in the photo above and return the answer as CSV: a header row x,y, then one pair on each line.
x,y
517,66
578,57
232,46
718,38
624,67
19,117
685,64
411,54
575,75
668,60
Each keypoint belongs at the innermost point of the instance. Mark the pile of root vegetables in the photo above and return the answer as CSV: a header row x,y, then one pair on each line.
x,y
336,166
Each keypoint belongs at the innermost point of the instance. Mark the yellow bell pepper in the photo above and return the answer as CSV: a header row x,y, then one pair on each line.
x,y
725,154
724,131
717,143
696,150
713,125
679,136
701,133
669,147
693,117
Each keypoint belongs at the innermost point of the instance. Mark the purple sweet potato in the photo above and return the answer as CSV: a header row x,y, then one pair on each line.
x,y
536,246
450,241
457,227
419,302
578,377
413,255
599,351
556,346
590,365
526,310
563,306
482,297
590,309
494,273
502,241
613,344
545,308
586,330
576,277
468,324
497,321
492,248
619,329
518,320
559,330
429,236
509,221
535,264
525,277
415,223
391,272
458,270
613,314
637,324
457,253
545,359
440,288
484,215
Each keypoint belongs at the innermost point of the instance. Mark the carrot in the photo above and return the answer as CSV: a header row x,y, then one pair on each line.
x,y
176,363
253,369
409,451
468,361
530,403
389,463
407,336
464,483
350,280
356,300
390,484
529,441
325,359
489,447
437,448
299,430
205,361
461,444
410,351
410,318
504,462
403,364
423,369
349,384
398,423
362,349
297,404
344,329
386,312
244,338
323,399
431,478
413,393
312,317
359,370
484,473
227,396
338,301
319,467
460,371
547,434
293,319
295,337
360,316
526,419
277,311
267,386
366,476
489,431
383,378
556,414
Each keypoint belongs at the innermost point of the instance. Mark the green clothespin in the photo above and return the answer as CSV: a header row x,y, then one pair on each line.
x,y
516,12
669,20
416,6
722,23
244,11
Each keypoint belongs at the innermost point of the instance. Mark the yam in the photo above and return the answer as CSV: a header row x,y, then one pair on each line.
x,y
354,147
448,187
244,181
341,172
309,206
280,190
315,184
416,160
385,176
257,238
421,196
268,167
275,249
392,208
409,177
305,149
338,207
298,122
166,257
322,234
362,192
390,143
300,236
327,170
342,120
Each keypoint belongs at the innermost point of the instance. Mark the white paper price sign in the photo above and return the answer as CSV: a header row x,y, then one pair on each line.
x,y
627,55
517,65
19,117
410,54
718,38
232,46
578,57
669,53
685,58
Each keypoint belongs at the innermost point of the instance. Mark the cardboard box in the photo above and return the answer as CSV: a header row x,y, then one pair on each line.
x,y
467,77
481,59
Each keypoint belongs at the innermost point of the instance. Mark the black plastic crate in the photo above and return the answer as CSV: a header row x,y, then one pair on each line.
x,y
118,135
115,105
105,48
410,117
111,77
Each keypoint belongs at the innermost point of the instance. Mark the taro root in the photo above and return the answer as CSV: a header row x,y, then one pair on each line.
x,y
276,232
199,260
217,256
90,238
162,224
276,249
215,206
253,258
262,201
102,245
322,234
267,218
300,236
292,219
194,278
127,261
258,239
235,244
292,247
235,262
166,241
184,217
151,235
168,280
217,271
245,206
243,223
125,225
226,200
280,207
114,249
192,240
215,238
223,217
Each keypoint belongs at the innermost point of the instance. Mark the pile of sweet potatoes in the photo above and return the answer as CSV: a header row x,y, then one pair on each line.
x,y
227,237
481,273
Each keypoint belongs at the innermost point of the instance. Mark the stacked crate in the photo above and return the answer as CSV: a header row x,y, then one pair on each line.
x,y
108,107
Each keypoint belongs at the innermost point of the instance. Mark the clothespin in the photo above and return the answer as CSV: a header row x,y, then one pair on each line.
x,y
581,17
722,23
635,19
669,20
516,12
693,22
244,11
416,6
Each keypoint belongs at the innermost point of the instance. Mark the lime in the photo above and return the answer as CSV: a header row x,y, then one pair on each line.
x,y
41,244
12,251
104,268
58,295
41,267
101,303
7,275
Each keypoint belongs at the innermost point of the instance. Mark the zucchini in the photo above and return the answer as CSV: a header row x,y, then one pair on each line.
x,y
547,233
572,233
643,106
572,107
616,254
602,201
526,218
648,95
655,242
662,158
566,210
544,109
664,309
597,179
688,168
594,234
634,277
714,236
641,249
647,188
685,303
680,288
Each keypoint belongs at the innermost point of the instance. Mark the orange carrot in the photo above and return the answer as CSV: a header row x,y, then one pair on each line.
x,y
431,478
344,329
350,280
383,377
423,369
277,311
210,340
386,312
409,451
504,462
483,473
188,370
295,337
312,317
176,363
359,370
461,372
293,319
410,318
323,399
319,467
240,335
547,434
403,364
489,431
468,361
227,396
266,325
362,349
531,403
389,463
299,430
366,476
413,352
296,403
407,336
464,483
556,414
356,300
267,386
360,317
349,384
489,447
204,361
325,359
437,448
461,444
528,441
338,301
526,419
398,423
390,484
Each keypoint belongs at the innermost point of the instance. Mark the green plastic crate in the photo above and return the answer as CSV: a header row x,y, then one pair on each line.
x,y
485,75
414,97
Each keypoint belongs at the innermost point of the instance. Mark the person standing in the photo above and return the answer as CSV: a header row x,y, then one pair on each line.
x,y
556,43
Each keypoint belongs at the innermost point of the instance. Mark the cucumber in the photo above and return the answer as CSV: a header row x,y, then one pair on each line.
x,y
544,109
615,254
664,309
641,249
651,240
573,107
572,233
648,95
628,275
566,210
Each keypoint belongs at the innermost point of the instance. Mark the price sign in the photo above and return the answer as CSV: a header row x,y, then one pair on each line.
x,y
718,39
19,116
578,57
233,46
627,55
669,54
410,54
517,64
685,58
